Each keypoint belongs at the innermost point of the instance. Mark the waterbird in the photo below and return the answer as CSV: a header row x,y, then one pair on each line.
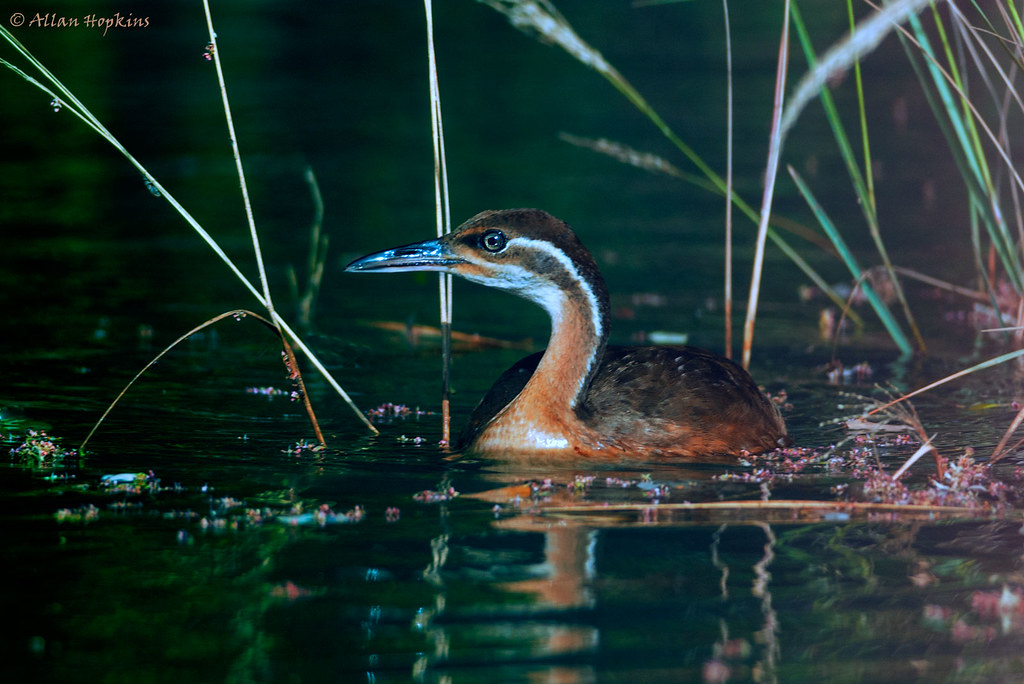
x,y
581,398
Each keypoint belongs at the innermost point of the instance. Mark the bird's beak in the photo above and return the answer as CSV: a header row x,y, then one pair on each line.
x,y
429,255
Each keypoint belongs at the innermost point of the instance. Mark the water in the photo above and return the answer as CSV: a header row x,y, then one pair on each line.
x,y
215,566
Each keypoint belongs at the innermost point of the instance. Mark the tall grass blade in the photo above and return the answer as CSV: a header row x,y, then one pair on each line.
x,y
881,310
869,174
863,183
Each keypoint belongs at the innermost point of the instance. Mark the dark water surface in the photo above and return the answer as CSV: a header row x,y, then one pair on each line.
x,y
215,566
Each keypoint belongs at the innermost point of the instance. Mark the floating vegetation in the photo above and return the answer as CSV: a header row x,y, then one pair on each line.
x,y
389,412
441,494
83,514
129,482
304,447
40,451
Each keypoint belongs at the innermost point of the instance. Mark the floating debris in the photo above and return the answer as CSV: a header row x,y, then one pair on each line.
x,y
323,516
435,496
271,392
303,447
290,591
389,412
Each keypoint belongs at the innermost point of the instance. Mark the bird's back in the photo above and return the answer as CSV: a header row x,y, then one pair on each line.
x,y
657,403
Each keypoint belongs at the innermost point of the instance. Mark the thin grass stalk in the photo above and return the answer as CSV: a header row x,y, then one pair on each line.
x,y
989,363
943,285
290,361
72,104
1001,239
236,313
981,199
774,151
443,218
881,310
253,234
869,175
1000,449
728,182
977,215
1004,136
957,75
315,260
1016,24
870,202
972,42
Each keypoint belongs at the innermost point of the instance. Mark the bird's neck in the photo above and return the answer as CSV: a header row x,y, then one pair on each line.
x,y
579,333
543,414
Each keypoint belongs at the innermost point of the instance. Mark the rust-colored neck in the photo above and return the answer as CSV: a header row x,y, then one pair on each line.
x,y
543,416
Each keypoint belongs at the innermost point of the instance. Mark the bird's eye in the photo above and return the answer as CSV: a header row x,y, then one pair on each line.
x,y
493,241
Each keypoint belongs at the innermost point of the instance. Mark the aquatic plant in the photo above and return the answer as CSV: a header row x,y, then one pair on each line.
x,y
969,82
305,296
39,450
63,98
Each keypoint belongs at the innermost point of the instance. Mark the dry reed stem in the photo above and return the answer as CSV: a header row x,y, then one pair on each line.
x,y
215,51
1000,449
290,361
774,152
727,295
443,217
944,285
921,451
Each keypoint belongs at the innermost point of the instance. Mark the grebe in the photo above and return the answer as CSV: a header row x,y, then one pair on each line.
x,y
581,398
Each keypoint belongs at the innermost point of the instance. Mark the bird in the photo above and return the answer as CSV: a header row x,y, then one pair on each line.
x,y
581,398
